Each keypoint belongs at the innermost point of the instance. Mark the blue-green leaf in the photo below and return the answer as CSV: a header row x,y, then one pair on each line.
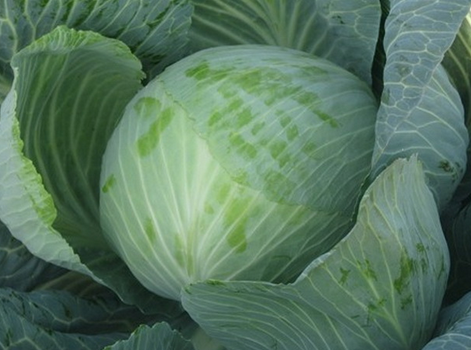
x,y
59,320
158,337
419,105
379,288
457,227
453,327
69,91
19,269
155,30
344,32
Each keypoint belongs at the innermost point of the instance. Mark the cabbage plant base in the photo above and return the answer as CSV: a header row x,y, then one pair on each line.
x,y
236,163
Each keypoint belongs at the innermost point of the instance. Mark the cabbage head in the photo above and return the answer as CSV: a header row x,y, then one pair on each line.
x,y
236,163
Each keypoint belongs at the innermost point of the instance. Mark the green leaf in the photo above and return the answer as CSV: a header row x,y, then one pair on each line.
x,y
5,85
419,105
344,32
155,30
158,337
453,327
69,92
458,234
59,320
19,269
380,288
456,62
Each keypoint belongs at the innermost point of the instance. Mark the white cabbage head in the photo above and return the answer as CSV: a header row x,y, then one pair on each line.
x,y
238,162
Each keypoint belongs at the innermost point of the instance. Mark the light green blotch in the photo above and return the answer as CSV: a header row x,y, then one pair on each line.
x,y
208,209
309,100
309,147
276,180
344,275
150,230
237,238
405,272
180,251
277,86
199,72
291,129
244,117
203,73
149,140
421,248
378,305
422,251
109,183
236,219
277,148
215,118
147,107
223,192
284,119
367,270
292,132
257,127
242,146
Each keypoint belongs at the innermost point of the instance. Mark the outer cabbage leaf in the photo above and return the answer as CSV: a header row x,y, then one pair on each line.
x,y
59,320
236,163
19,269
344,32
158,337
419,105
5,85
156,30
380,288
69,92
456,62
453,327
457,227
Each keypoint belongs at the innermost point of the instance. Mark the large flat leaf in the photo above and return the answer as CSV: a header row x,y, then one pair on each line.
x,y
60,320
68,94
345,32
19,269
5,85
453,327
419,105
154,29
456,62
158,337
379,288
458,234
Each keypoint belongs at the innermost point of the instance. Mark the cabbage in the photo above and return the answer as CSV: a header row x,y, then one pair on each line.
x,y
237,163
261,195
